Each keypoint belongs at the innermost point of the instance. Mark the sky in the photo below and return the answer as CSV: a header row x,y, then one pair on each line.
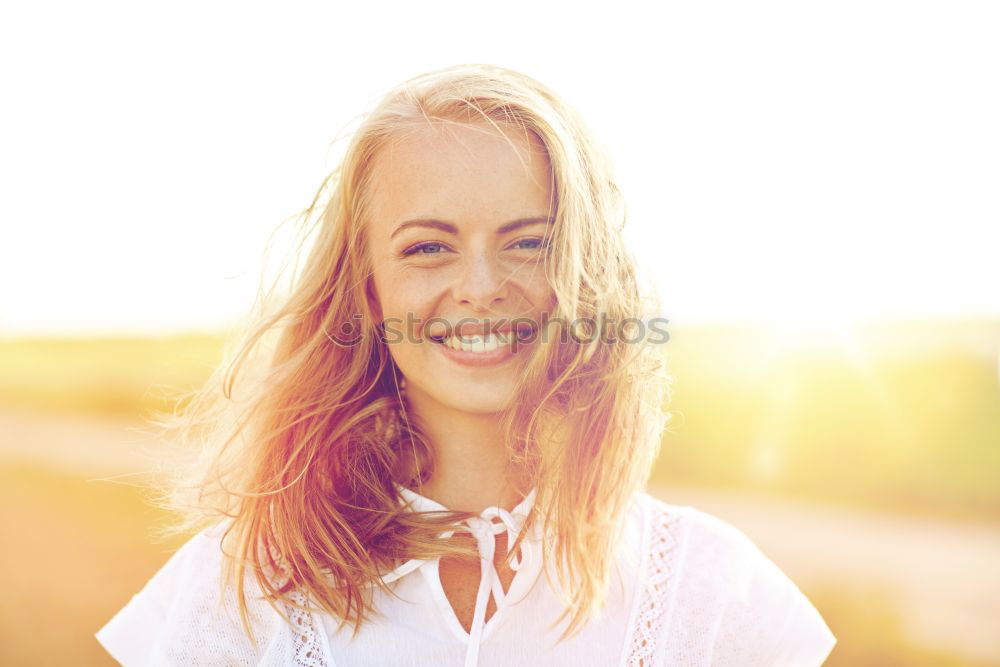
x,y
781,161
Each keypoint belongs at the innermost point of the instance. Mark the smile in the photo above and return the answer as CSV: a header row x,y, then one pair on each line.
x,y
487,349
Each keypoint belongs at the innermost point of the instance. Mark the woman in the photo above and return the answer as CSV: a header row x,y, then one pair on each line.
x,y
457,396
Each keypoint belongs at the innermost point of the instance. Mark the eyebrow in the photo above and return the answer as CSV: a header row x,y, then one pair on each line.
x,y
450,228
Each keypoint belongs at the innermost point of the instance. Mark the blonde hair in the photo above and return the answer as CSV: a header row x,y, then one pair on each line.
x,y
299,441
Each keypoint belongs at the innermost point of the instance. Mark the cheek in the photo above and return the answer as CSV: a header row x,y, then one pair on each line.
x,y
542,294
407,303
407,294
393,286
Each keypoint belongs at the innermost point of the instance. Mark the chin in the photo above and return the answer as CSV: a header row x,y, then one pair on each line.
x,y
477,392
481,401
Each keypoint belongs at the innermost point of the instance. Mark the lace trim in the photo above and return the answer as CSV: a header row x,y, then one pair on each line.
x,y
664,531
307,651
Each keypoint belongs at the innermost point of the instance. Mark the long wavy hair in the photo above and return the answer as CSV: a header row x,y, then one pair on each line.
x,y
296,441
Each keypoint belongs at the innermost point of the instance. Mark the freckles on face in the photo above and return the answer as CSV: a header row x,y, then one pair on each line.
x,y
458,229
474,181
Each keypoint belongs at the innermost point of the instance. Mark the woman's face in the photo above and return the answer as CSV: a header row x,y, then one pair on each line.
x,y
456,229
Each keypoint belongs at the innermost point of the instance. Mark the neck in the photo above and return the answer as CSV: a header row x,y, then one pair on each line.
x,y
471,471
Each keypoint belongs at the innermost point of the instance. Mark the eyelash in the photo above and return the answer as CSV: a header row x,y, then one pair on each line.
x,y
414,250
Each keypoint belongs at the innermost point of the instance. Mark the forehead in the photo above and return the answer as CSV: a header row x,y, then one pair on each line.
x,y
462,172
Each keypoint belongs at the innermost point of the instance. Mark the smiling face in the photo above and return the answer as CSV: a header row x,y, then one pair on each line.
x,y
457,227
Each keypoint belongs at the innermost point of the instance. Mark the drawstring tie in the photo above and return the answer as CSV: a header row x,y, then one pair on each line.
x,y
485,530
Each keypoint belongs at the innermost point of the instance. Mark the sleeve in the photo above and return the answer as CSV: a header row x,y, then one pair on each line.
x,y
131,633
178,618
782,626
806,639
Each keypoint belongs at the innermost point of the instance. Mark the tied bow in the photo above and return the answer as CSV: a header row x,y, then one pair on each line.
x,y
485,530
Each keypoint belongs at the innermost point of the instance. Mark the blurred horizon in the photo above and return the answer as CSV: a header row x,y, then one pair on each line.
x,y
808,327
779,389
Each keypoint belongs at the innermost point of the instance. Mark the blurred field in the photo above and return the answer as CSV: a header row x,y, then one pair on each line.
x,y
864,464
76,550
119,377
903,417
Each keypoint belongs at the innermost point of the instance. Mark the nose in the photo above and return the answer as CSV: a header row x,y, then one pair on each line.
x,y
482,284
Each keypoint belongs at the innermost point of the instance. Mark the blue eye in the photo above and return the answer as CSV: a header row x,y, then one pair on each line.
x,y
542,243
435,248
417,249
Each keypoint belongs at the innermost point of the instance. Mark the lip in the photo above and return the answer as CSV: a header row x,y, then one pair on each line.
x,y
506,327
502,354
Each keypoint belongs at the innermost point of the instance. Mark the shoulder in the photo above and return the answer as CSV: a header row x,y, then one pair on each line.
x,y
722,600
183,614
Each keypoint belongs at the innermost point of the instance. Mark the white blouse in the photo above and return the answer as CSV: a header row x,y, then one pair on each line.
x,y
688,589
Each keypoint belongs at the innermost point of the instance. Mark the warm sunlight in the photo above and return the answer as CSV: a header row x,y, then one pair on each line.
x,y
811,188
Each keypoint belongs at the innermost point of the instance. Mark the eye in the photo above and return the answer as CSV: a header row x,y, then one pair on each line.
x,y
420,249
541,243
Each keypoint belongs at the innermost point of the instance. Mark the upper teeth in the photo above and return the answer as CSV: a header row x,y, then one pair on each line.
x,y
483,343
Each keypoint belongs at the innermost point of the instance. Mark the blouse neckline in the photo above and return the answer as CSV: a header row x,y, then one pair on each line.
x,y
425,504
491,522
